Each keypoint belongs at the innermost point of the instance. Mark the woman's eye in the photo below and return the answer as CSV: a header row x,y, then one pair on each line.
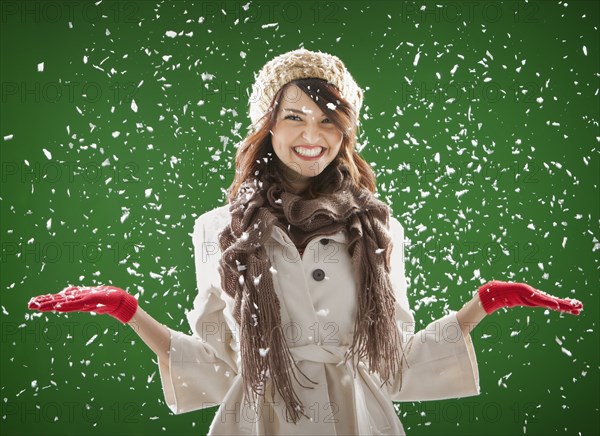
x,y
289,117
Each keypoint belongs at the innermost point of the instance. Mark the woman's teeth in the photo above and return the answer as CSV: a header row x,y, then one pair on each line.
x,y
309,152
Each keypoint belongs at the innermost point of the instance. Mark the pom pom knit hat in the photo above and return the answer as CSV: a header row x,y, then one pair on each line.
x,y
301,64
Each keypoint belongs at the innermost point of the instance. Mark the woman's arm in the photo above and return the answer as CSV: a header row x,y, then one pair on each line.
x,y
470,315
153,333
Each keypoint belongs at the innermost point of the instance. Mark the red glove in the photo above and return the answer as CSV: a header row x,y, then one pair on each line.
x,y
102,299
496,294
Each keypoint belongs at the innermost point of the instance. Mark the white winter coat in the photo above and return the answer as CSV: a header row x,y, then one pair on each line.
x,y
317,311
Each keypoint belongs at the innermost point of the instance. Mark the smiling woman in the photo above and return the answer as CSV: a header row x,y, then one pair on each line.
x,y
319,344
303,115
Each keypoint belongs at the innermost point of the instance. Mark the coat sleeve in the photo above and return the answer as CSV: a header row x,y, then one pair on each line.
x,y
439,362
202,367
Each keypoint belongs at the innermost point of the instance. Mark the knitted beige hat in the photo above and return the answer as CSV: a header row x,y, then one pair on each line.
x,y
301,64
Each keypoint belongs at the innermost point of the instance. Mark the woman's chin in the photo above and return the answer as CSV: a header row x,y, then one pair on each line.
x,y
297,172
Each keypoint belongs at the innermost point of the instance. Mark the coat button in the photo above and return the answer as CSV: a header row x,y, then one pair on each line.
x,y
324,241
318,275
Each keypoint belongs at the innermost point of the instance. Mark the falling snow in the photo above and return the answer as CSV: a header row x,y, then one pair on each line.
x,y
484,142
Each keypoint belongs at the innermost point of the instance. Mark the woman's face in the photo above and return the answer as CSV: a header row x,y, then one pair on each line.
x,y
303,138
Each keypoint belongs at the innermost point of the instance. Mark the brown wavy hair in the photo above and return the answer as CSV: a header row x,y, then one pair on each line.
x,y
256,151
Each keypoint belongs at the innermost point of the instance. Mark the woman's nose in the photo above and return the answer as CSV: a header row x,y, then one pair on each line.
x,y
311,131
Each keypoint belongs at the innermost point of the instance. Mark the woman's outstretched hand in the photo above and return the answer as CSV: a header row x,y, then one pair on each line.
x,y
496,294
110,300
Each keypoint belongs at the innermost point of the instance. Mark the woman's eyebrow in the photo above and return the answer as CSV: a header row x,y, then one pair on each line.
x,y
298,111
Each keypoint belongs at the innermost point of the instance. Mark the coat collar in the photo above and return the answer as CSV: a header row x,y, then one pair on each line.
x,y
282,237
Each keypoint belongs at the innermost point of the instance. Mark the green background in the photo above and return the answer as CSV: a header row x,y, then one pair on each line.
x,y
492,167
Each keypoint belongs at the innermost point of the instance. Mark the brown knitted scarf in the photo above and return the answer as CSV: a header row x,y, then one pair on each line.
x,y
246,276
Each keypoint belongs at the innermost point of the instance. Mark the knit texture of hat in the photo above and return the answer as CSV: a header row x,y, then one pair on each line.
x,y
301,64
